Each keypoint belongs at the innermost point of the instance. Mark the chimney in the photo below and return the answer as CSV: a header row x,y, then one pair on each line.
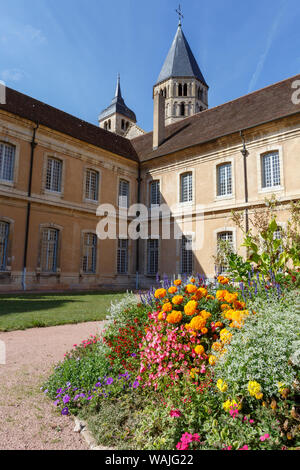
x,y
158,120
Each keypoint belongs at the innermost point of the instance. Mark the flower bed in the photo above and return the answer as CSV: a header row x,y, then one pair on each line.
x,y
193,366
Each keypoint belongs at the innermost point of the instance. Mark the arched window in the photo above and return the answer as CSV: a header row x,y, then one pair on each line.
x,y
179,89
54,174
109,124
91,185
224,179
49,250
182,109
105,126
89,253
123,124
4,234
127,125
185,89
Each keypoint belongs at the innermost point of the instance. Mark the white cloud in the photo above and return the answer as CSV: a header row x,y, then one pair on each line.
x,y
24,34
12,75
261,62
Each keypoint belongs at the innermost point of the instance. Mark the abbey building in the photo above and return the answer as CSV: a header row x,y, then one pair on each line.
x,y
56,170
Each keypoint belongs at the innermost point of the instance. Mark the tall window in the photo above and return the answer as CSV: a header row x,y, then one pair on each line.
x,y
49,250
7,162
92,185
4,234
122,256
155,193
152,257
54,175
182,109
186,187
270,170
89,256
225,241
179,89
186,262
123,193
224,176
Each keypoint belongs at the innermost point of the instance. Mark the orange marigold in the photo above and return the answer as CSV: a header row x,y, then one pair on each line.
x,y
190,308
204,331
191,289
212,360
172,290
160,293
197,323
199,349
177,299
167,307
202,292
177,282
174,317
220,294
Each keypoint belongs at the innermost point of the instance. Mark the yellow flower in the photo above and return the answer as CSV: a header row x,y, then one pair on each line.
x,y
222,386
254,388
225,336
217,346
174,317
167,307
177,299
160,316
193,372
172,290
201,292
218,324
204,331
205,315
199,349
220,294
212,360
230,298
177,282
210,297
259,396
190,308
160,293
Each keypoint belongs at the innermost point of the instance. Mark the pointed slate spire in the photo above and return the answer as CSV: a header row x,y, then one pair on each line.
x,y
118,106
180,61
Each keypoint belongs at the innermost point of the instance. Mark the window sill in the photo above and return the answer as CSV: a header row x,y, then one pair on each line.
x,y
271,189
91,201
55,194
224,198
7,183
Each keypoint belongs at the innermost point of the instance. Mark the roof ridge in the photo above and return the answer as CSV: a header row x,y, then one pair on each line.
x,y
197,115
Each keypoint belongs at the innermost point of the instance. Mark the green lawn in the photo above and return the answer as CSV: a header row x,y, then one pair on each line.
x,y
19,312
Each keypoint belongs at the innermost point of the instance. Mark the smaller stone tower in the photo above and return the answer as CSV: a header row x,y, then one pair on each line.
x,y
117,117
181,82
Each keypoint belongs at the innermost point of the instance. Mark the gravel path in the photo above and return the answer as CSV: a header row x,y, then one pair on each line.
x,y
28,420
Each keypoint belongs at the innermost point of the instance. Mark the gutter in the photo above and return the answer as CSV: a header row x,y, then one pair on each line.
x,y
33,145
244,152
137,269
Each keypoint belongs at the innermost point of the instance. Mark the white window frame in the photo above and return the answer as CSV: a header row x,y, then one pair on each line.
x,y
53,191
3,147
97,172
218,232
180,175
228,187
119,250
56,264
262,152
187,237
123,206
94,253
154,181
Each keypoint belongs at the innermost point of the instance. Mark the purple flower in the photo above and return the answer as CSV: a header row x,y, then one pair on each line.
x,y
109,381
135,384
59,390
98,384
65,411
56,403
66,399
133,355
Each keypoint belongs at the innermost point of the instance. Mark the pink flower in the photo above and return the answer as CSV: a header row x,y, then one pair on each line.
x,y
245,447
175,413
264,437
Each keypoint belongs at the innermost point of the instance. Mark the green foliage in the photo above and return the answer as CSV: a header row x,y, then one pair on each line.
x,y
238,268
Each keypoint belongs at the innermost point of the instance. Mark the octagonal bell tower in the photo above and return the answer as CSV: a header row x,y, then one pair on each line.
x,y
181,82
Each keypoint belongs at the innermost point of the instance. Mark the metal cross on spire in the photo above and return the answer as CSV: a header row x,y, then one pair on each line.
x,y
180,15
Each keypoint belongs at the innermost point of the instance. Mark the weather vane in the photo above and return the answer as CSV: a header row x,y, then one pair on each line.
x,y
180,15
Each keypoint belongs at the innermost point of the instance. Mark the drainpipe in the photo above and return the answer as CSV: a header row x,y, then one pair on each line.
x,y
244,152
139,180
33,145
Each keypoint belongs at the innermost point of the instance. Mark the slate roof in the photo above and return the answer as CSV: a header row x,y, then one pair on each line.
x,y
180,61
117,106
262,106
36,111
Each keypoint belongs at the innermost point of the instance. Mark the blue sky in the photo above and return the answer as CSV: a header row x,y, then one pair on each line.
x,y
67,53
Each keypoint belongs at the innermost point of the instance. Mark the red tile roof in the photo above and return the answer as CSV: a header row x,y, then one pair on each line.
x,y
36,111
265,105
